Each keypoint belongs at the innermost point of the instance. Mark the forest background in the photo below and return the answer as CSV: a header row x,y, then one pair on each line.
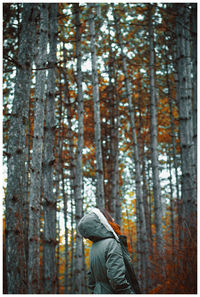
x,y
99,109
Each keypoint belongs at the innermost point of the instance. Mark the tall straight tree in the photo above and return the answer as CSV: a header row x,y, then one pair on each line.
x,y
142,154
175,161
97,118
115,205
79,174
172,224
49,201
71,177
36,166
194,80
139,195
154,142
186,122
16,188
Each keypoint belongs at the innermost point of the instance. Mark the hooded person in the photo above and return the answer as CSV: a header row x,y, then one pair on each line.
x,y
108,259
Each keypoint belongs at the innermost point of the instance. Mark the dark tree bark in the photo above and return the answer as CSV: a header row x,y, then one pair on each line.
x,y
78,172
36,165
49,199
184,94
16,187
154,144
194,82
115,207
97,124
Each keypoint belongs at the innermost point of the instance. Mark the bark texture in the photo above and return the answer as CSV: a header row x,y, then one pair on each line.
x,y
194,82
115,208
16,193
78,285
36,166
97,119
186,122
49,199
154,143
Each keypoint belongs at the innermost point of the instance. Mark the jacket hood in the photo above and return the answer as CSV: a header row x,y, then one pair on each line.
x,y
95,226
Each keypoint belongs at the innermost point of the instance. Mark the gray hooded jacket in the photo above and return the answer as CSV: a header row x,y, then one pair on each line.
x,y
106,265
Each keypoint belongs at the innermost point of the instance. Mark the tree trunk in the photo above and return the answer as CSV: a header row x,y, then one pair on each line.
x,y
115,166
29,137
58,255
36,167
78,175
16,187
173,135
139,194
172,225
186,122
49,137
72,182
113,101
194,81
154,145
142,146
66,271
97,120
60,182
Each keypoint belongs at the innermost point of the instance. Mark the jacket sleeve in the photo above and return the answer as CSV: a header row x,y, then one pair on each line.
x,y
91,282
116,269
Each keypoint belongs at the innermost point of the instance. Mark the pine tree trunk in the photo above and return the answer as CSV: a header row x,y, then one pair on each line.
x,y
49,202
72,276
173,136
180,200
115,168
59,177
58,256
154,145
84,280
16,187
139,194
186,122
72,182
97,120
66,271
143,171
78,175
29,137
63,180
115,205
194,81
172,224
36,166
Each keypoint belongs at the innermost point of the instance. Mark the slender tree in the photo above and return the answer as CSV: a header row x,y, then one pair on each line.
x,y
114,137
16,198
49,201
184,93
154,143
78,174
172,224
194,81
36,166
97,121
72,181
